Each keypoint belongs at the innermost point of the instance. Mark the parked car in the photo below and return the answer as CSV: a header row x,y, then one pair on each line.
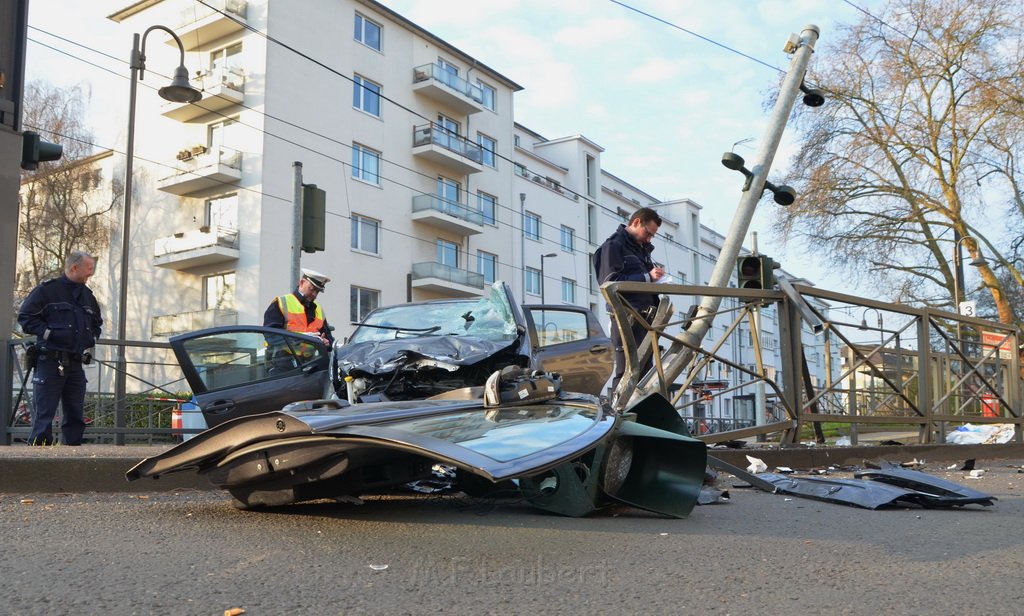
x,y
478,385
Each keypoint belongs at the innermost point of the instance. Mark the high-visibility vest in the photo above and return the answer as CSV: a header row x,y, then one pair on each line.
x,y
295,315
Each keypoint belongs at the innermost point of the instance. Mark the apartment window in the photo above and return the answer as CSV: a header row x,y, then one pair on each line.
x,y
367,32
450,193
362,302
365,164
622,214
448,253
531,281
487,94
592,224
222,212
487,204
521,170
489,146
220,133
568,239
515,140
568,291
449,73
365,234
487,264
219,291
366,95
224,60
593,274
591,171
531,226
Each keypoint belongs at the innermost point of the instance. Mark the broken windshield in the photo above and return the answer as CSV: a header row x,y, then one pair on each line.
x,y
487,318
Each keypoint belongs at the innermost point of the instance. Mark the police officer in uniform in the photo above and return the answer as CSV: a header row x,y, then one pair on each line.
x,y
298,311
65,318
626,256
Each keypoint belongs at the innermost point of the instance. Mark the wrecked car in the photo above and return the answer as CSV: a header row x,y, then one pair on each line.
x,y
480,385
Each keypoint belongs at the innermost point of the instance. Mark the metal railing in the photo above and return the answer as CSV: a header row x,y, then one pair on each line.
x,y
434,72
920,369
452,208
433,269
427,134
147,414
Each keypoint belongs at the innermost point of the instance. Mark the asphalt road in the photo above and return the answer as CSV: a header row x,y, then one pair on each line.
x,y
190,552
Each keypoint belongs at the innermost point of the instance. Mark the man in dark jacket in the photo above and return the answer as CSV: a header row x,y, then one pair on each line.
x,y
63,315
626,256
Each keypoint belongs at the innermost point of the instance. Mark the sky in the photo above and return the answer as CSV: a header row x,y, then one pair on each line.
x,y
651,81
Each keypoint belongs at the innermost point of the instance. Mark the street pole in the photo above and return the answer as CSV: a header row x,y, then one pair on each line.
x,y
297,225
682,354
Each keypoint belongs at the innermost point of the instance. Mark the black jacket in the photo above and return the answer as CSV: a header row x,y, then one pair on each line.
x,y
622,258
63,315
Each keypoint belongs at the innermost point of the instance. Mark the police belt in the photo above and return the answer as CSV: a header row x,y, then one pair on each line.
x,y
62,356
647,313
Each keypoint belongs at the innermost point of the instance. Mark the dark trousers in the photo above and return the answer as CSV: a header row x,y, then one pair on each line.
x,y
620,354
50,388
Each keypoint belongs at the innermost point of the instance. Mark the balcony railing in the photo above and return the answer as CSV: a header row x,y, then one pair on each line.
x,y
435,203
199,247
222,88
204,22
442,85
198,168
433,269
181,322
442,146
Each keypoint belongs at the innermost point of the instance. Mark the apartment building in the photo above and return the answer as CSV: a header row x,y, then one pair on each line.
x,y
433,189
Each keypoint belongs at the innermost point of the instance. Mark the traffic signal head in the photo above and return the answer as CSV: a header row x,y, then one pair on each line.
x,y
755,272
314,214
34,151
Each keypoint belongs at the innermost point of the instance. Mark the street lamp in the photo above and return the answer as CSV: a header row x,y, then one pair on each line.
x,y
179,91
958,266
542,257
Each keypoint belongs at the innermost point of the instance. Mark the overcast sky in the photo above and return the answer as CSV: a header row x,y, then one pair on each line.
x,y
663,102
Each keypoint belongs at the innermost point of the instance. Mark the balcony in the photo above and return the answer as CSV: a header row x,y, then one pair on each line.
x,y
439,212
438,84
450,281
436,144
199,169
182,322
202,23
190,249
222,88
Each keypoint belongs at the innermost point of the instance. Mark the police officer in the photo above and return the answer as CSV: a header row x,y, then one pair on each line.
x,y
626,256
63,315
298,311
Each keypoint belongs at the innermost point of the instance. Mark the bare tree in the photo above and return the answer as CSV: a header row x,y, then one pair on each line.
x,y
920,142
61,206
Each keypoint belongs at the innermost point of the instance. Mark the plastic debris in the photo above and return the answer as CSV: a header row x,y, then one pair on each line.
x,y
756,465
969,434
378,567
977,473
783,469
843,441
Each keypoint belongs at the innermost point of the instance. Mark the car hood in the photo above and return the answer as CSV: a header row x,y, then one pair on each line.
x,y
386,356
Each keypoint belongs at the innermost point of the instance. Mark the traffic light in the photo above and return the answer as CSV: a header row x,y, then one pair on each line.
x,y
755,272
34,151
314,218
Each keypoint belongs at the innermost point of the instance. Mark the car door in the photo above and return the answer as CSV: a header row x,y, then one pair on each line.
x,y
569,340
243,370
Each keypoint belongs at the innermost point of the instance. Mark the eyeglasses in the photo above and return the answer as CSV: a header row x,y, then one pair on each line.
x,y
650,234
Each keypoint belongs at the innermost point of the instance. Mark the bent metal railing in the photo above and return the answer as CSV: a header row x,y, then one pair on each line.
x,y
151,412
920,369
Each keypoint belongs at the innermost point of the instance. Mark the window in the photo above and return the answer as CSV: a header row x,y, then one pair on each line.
x,y
531,226
593,274
362,302
592,224
521,170
222,212
366,96
531,281
225,61
559,326
487,94
365,233
591,179
219,291
365,164
568,239
367,32
487,264
449,74
568,291
487,204
448,253
450,193
220,133
489,146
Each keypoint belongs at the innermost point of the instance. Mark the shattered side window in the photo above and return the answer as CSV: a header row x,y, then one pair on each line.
x,y
488,318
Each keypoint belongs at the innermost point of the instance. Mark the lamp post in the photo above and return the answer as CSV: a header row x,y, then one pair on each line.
x,y
179,91
542,257
958,267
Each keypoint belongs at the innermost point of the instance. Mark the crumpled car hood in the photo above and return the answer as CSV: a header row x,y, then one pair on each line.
x,y
385,356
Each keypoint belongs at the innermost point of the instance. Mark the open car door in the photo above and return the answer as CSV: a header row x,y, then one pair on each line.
x,y
242,370
571,342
